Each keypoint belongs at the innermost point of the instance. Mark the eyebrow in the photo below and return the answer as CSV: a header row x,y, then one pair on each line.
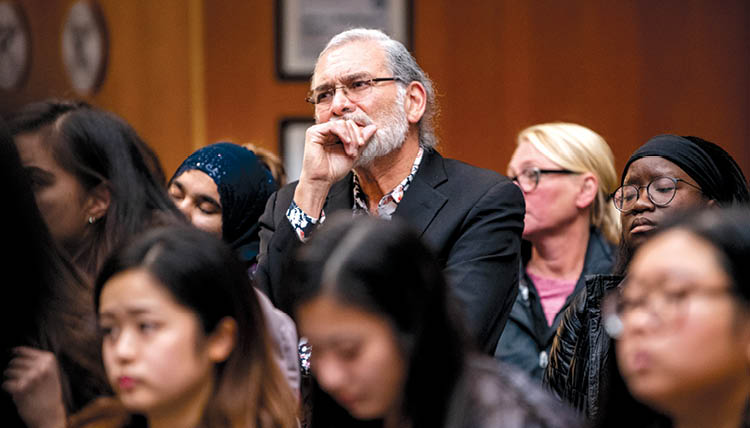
x,y
347,78
129,311
178,185
200,198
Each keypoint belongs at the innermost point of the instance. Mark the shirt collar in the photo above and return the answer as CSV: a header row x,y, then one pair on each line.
x,y
389,202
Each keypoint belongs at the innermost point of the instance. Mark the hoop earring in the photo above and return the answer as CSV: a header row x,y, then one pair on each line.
x,y
92,219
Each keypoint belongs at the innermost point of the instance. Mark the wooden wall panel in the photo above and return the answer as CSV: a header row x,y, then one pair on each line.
x,y
147,80
628,70
245,101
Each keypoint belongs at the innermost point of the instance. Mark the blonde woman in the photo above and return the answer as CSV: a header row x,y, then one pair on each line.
x,y
566,172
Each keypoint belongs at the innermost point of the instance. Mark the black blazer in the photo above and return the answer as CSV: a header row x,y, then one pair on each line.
x,y
471,217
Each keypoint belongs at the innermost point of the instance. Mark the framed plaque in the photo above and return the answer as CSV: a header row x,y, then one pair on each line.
x,y
15,45
292,144
303,27
85,46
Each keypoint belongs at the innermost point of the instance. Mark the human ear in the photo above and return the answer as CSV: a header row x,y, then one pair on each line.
x,y
588,190
416,102
97,202
222,340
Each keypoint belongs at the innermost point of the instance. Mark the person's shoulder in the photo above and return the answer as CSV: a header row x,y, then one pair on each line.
x,y
455,167
504,396
598,285
471,183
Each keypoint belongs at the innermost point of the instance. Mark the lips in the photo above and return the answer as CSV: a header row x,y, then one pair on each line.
x,y
126,383
642,225
639,361
346,400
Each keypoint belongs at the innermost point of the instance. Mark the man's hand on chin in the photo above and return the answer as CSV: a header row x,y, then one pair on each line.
x,y
331,149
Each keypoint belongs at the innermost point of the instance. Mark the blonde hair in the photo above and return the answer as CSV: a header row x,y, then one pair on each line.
x,y
580,149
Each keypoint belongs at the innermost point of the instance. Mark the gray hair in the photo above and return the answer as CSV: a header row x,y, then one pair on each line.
x,y
403,66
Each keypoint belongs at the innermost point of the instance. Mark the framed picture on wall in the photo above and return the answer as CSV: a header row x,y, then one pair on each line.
x,y
303,27
292,144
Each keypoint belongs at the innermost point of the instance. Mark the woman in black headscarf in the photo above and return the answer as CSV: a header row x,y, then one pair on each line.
x,y
222,189
666,175
718,177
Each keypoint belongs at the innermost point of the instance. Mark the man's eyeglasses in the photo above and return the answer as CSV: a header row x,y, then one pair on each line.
x,y
660,191
356,90
528,179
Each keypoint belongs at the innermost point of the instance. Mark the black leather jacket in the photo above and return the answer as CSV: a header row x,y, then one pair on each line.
x,y
583,371
580,355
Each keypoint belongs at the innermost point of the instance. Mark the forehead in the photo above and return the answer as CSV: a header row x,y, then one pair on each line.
x,y
649,167
355,57
135,287
32,149
325,319
676,253
197,181
527,155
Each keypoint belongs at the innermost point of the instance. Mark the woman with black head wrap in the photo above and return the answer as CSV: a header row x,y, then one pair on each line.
x,y
691,160
666,175
223,188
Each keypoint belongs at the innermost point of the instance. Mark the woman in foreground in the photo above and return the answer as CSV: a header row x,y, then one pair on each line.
x,y
387,345
184,339
682,322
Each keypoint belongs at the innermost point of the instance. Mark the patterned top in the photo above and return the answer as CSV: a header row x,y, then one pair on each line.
x,y
303,224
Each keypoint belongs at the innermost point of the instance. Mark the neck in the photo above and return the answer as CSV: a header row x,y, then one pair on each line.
x,y
386,172
186,413
726,410
561,254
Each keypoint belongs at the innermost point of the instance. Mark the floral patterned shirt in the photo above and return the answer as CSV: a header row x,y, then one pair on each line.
x,y
303,224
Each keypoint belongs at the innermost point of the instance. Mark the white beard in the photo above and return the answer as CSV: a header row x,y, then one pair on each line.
x,y
391,133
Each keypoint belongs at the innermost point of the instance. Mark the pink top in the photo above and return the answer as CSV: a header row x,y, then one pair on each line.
x,y
552,293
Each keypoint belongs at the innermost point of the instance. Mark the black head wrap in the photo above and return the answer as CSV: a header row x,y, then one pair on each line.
x,y
244,184
717,174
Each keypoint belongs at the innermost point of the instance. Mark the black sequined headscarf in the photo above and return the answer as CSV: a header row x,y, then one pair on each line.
x,y
712,168
244,184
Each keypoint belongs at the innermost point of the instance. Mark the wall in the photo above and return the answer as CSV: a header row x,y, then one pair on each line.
x,y
187,72
147,80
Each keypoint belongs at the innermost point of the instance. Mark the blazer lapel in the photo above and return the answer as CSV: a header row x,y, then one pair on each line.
x,y
422,201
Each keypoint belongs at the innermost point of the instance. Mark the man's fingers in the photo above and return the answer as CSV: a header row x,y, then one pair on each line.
x,y
11,386
24,363
368,131
353,147
26,351
14,373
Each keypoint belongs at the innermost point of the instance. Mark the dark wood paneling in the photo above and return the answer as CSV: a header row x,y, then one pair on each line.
x,y
628,70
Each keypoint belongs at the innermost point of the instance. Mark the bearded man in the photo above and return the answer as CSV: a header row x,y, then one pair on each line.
x,y
372,151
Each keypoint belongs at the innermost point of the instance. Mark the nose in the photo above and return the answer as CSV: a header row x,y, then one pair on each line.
x,y
639,321
341,104
643,202
125,346
184,206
